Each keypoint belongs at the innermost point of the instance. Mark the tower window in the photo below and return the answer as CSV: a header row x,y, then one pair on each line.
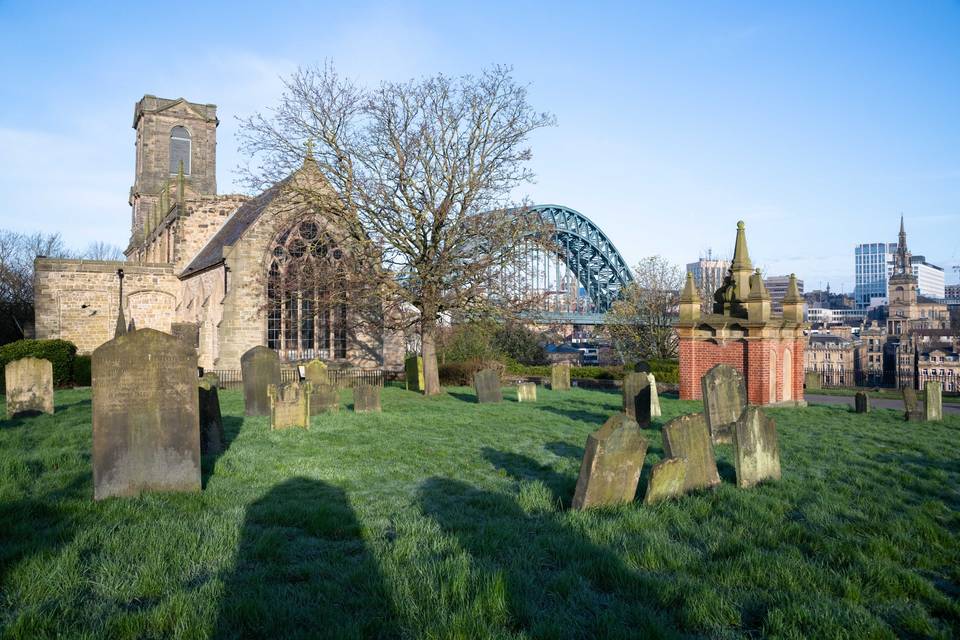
x,y
179,150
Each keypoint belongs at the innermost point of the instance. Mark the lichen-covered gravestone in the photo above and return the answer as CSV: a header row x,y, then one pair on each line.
x,y
289,405
146,428
654,397
324,396
812,380
486,383
366,398
527,392
260,368
29,385
560,376
211,420
861,402
932,401
667,480
636,397
756,454
611,464
724,398
413,370
911,406
687,437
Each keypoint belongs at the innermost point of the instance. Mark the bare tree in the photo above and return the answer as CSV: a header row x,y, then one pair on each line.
x,y
421,171
102,251
17,254
640,323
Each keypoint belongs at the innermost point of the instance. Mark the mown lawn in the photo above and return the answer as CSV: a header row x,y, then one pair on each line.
x,y
441,518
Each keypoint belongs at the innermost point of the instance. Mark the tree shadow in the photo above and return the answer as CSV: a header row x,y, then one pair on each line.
x,y
302,569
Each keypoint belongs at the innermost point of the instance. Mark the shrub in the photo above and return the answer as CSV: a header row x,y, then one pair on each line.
x,y
60,353
460,374
518,342
81,371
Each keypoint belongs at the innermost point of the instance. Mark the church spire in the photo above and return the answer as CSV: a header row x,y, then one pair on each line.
x,y
902,263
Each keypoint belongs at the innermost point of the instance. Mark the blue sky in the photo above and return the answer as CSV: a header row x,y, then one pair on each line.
x,y
817,123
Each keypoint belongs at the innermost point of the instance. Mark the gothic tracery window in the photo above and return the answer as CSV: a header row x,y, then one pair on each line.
x,y
180,148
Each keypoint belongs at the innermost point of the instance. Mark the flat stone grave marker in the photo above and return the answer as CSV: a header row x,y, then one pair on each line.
x,y
655,411
560,376
724,398
756,453
325,398
146,428
911,406
812,381
413,370
29,386
486,383
687,437
366,398
527,392
637,397
861,402
289,405
611,464
667,480
932,401
211,420
260,368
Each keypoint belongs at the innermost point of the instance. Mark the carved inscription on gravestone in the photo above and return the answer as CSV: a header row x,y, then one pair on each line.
x,y
560,376
487,385
260,367
146,430
611,464
756,453
724,397
29,385
636,397
687,437
289,405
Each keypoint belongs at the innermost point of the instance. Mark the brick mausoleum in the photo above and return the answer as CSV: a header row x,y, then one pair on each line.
x,y
743,332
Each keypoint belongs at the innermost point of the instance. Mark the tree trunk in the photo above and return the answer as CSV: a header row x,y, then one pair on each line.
x,y
431,372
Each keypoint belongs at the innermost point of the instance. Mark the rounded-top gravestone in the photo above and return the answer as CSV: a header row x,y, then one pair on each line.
x,y
29,386
260,367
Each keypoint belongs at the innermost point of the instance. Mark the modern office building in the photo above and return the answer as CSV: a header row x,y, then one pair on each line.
x,y
777,287
930,277
873,262
708,275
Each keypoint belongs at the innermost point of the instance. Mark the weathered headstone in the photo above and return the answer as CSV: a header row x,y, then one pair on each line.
x,y
861,402
289,405
259,367
724,398
560,376
146,428
654,397
527,392
687,437
413,368
812,380
636,397
911,406
211,420
756,454
29,385
933,401
189,332
315,372
486,383
667,480
325,398
611,464
366,398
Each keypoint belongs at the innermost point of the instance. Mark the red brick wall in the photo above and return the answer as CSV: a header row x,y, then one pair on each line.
x,y
698,356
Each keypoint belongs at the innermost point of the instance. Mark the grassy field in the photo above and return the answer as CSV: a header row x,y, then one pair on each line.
x,y
441,518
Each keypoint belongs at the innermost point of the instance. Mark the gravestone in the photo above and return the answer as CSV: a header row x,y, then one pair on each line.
x,y
861,402
724,398
324,396
611,464
687,437
366,398
933,401
29,385
812,381
146,428
260,368
911,406
667,480
527,392
560,376
654,397
413,368
486,383
189,332
289,405
211,420
756,454
636,397
315,372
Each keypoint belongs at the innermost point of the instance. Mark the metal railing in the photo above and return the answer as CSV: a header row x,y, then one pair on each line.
x,y
341,378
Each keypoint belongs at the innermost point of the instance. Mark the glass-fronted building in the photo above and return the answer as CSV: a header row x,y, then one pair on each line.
x,y
871,262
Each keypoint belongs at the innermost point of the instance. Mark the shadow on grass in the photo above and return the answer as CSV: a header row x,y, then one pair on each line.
x,y
465,397
564,449
302,569
522,468
582,415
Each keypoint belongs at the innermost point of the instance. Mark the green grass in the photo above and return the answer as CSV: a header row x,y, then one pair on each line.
x,y
441,518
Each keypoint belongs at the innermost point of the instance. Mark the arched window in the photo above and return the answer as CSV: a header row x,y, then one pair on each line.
x,y
179,150
306,302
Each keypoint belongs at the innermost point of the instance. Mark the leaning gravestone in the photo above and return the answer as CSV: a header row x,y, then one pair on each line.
x,y
654,397
911,406
366,398
756,454
812,381
259,367
687,437
861,402
211,420
289,405
486,383
527,392
636,397
29,385
933,401
667,480
146,429
560,376
724,398
413,370
611,464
